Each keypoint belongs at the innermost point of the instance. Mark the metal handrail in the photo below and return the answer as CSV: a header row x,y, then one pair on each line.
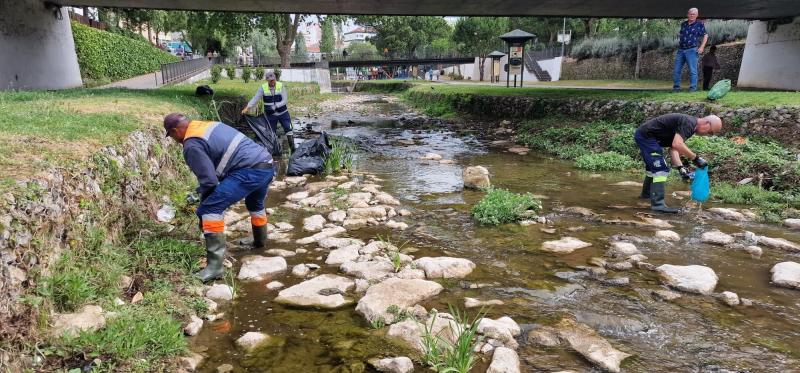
x,y
177,71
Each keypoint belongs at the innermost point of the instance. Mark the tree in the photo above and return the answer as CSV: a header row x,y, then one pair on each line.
x,y
362,51
327,42
263,43
217,31
545,29
300,53
284,28
405,35
478,36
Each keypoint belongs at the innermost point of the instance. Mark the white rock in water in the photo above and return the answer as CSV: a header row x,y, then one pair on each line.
x,y
220,292
394,291
472,302
476,177
691,278
338,242
668,235
393,365
504,360
716,238
325,233
294,181
754,251
297,197
628,183
256,267
622,249
565,245
593,347
250,340
89,318
503,329
376,212
277,186
322,292
283,226
300,270
165,214
445,267
370,270
431,157
343,255
274,285
384,198
792,223
337,216
313,223
728,214
281,252
191,362
194,325
786,274
730,298
396,225
778,243
410,331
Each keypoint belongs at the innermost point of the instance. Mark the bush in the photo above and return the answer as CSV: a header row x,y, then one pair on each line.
x,y
500,206
606,161
216,73
259,74
277,72
246,73
104,55
230,70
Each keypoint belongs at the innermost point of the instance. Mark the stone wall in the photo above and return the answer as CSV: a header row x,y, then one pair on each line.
x,y
41,217
656,65
781,123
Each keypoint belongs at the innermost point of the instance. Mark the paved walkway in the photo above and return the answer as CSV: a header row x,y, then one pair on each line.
x,y
146,81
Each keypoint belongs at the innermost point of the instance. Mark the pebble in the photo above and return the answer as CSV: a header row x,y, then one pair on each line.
x,y
730,298
754,251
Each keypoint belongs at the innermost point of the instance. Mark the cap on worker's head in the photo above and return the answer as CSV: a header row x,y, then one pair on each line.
x,y
270,76
172,120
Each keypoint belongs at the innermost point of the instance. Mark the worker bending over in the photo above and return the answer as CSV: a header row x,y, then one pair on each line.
x,y
670,131
228,166
275,97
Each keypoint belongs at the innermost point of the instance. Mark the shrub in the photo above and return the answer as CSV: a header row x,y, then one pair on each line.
x,y
606,161
104,55
259,73
277,72
501,206
216,73
246,73
230,71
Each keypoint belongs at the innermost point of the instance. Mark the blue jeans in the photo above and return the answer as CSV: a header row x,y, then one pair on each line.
x,y
284,119
653,156
689,57
248,183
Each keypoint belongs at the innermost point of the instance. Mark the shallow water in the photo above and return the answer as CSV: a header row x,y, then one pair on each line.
x,y
691,334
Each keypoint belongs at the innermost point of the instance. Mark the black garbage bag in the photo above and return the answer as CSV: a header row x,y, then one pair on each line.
x,y
265,135
203,90
309,157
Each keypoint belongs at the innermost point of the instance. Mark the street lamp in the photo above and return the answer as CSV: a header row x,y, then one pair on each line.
x,y
515,40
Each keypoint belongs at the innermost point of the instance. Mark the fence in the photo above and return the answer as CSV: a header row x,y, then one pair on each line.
x,y
87,21
177,71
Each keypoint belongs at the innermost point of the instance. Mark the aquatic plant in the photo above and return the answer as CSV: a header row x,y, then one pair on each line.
x,y
445,355
500,206
605,161
396,261
341,157
377,323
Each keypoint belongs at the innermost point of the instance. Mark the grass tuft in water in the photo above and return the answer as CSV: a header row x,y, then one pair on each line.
x,y
500,206
447,356
341,157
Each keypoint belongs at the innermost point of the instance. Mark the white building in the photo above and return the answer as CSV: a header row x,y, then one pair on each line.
x,y
358,35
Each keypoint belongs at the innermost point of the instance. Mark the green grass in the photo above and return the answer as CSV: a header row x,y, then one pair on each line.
x,y
341,157
605,161
500,206
446,356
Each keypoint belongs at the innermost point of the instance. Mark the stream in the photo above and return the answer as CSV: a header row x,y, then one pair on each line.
x,y
694,333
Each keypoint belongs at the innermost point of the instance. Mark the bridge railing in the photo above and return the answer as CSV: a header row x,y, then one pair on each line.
x,y
177,71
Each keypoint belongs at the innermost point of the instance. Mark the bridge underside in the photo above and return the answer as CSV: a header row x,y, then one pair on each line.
x,y
742,9
429,61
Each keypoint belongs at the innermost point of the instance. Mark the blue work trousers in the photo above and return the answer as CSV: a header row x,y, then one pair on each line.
x,y
685,56
653,156
284,119
248,183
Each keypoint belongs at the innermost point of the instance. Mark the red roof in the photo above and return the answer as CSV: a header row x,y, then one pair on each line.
x,y
313,48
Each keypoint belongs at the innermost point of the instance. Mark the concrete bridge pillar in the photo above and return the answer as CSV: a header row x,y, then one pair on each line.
x,y
36,47
772,56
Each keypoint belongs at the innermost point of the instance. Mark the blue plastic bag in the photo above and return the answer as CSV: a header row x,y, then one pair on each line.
x,y
700,185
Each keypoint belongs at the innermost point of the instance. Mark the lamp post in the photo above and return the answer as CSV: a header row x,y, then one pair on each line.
x,y
516,40
496,56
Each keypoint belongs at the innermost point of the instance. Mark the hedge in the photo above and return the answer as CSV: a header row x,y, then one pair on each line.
x,y
106,56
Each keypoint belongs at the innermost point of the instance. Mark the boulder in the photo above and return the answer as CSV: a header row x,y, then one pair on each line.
x,y
194,326
792,223
374,212
521,150
445,267
588,343
476,177
369,270
778,243
394,291
274,285
256,267
384,198
337,216
354,224
565,245
313,223
294,181
280,252
504,360
622,249
396,225
728,213
786,274
325,233
668,235
393,365
691,278
730,298
277,186
300,270
297,197
716,238
754,251
250,340
89,318
321,292
410,331
314,188
342,255
220,292
503,329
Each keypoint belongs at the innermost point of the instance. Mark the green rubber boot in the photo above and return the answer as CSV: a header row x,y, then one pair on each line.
x,y
259,237
215,254
646,187
657,192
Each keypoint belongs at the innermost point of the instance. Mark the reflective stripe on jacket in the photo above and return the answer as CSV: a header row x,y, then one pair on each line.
x,y
227,148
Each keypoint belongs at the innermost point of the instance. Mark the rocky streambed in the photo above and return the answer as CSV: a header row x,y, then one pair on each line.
x,y
360,264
